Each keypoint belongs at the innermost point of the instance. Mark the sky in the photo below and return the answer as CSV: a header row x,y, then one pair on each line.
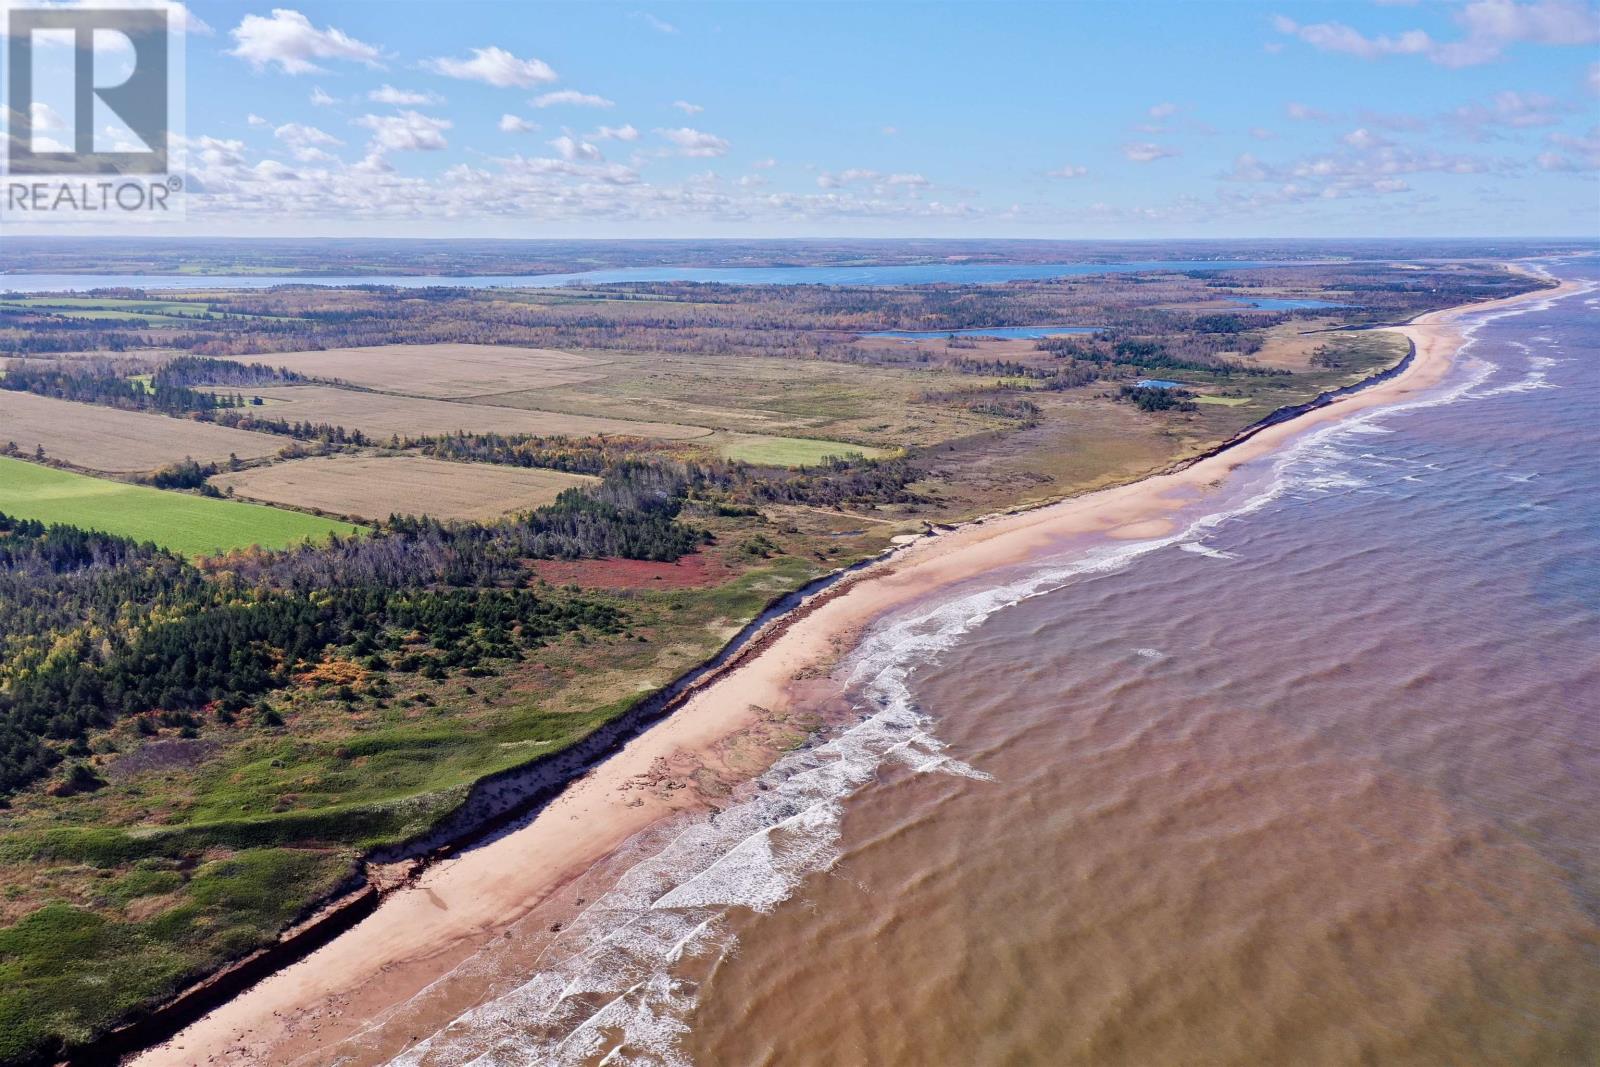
x,y
983,119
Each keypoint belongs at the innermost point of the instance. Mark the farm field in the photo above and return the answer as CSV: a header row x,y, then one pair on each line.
x,y
375,487
120,442
444,371
189,525
381,415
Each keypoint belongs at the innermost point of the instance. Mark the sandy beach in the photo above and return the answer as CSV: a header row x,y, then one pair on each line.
x,y
423,930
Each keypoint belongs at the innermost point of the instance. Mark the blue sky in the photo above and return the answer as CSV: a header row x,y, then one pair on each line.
x,y
1094,120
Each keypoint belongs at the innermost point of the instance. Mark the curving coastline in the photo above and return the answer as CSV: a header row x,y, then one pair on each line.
x,y
455,907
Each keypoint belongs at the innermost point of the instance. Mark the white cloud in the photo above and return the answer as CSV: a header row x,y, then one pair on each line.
x,y
44,118
572,98
1579,154
517,124
388,94
890,131
573,150
253,119
1305,113
1362,169
494,66
659,25
1337,37
1148,151
1488,28
409,131
321,99
1069,170
1165,109
695,143
229,183
614,133
1261,133
307,143
881,182
1509,110
1246,168
1593,78
1388,120
289,40
687,108
764,164
1363,138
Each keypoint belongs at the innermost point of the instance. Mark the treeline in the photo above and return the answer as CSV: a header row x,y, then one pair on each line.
x,y
203,370
575,455
92,381
301,430
188,473
1156,398
828,484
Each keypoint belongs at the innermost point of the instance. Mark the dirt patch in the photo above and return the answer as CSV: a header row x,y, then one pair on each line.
x,y
155,756
690,572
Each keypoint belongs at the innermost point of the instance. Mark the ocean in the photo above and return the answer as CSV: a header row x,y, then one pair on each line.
x,y
1314,781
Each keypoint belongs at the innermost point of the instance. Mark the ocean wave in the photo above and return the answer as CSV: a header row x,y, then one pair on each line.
x,y
1206,550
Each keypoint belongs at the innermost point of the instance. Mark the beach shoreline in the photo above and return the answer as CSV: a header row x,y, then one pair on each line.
x,y
419,933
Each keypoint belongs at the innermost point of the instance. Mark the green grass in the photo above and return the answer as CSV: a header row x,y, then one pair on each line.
x,y
69,973
787,451
1223,401
191,525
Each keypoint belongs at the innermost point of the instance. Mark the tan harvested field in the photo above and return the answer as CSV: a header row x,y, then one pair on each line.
x,y
444,370
380,415
375,487
120,442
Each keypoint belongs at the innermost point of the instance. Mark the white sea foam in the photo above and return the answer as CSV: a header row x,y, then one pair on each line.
x,y
1200,549
608,986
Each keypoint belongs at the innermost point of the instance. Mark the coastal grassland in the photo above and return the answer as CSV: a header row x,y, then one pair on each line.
x,y
1083,439
188,525
119,442
787,451
200,845
375,487
70,969
866,405
443,371
382,415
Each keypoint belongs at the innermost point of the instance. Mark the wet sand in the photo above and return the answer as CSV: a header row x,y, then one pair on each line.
x,y
455,907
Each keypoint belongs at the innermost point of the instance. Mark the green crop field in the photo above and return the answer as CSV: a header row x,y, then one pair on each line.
x,y
191,525
788,451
